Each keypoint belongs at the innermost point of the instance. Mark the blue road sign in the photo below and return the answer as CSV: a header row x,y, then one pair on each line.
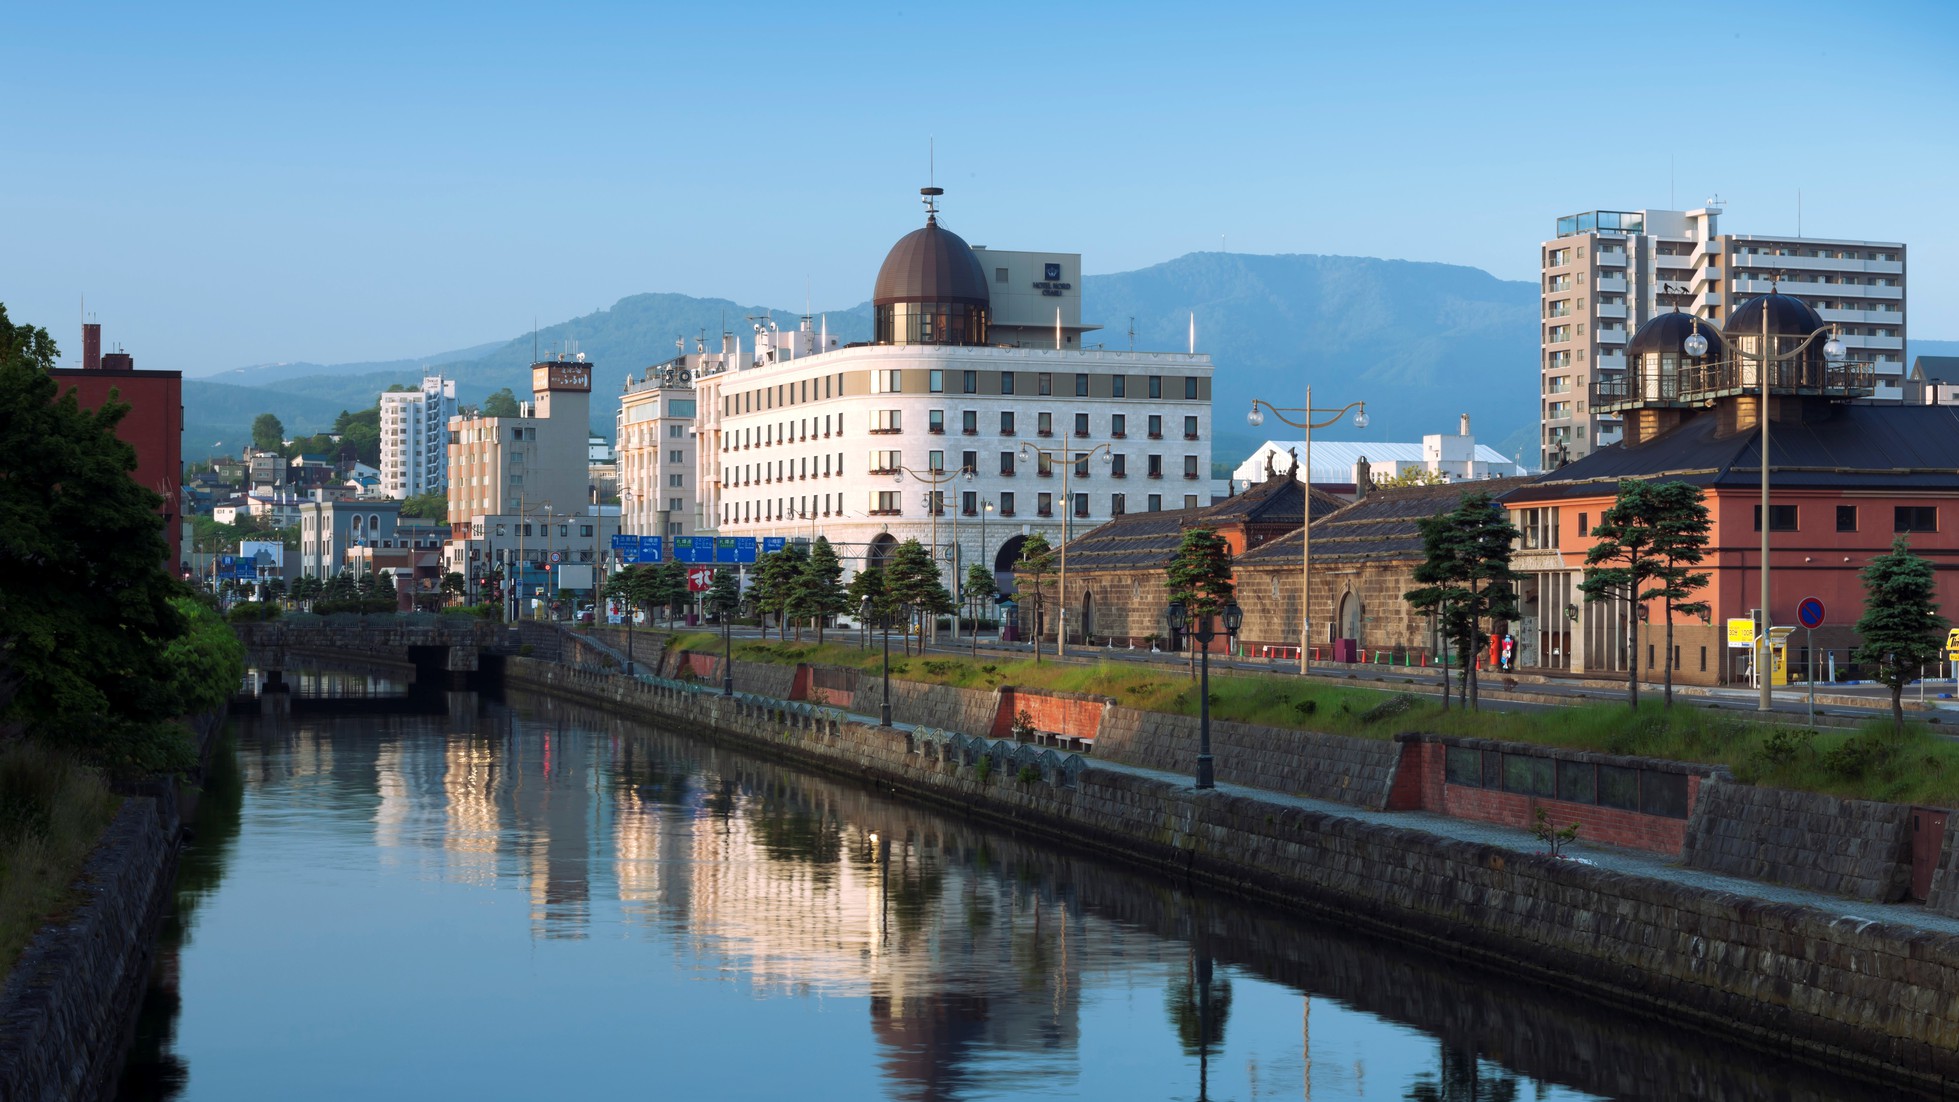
x,y
1810,612
246,569
772,544
621,541
651,549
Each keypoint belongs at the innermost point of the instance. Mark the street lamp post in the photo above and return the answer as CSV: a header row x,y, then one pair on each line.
x,y
934,503
985,508
884,622
1765,362
1306,423
727,649
1203,631
1070,457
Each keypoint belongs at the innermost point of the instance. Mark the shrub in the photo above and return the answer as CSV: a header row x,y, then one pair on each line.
x,y
247,612
1023,726
1785,744
1029,774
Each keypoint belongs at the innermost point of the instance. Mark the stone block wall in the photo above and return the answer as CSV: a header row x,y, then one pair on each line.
x,y
66,1004
1847,847
948,707
1327,767
1944,896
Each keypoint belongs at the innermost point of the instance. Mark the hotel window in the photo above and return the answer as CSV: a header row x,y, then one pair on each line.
x,y
1782,518
1006,422
1190,386
889,420
969,382
1118,386
969,422
1119,424
1155,466
968,502
886,462
1081,505
1190,466
1156,386
1044,383
1190,428
886,381
1081,386
884,502
1846,518
1006,462
935,462
936,383
1044,505
1117,505
1915,518
969,461
676,480
676,456
1044,465
1156,503
1006,503
1081,424
1190,501
1006,382
1118,465
1044,424
935,422
1156,427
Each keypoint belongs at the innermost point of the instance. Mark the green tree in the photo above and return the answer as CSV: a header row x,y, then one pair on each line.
x,y
207,662
85,594
454,585
1681,528
1200,576
1466,570
868,600
823,584
1036,562
1649,542
268,433
636,588
361,432
1411,476
1901,628
724,596
430,506
912,584
500,404
778,577
670,591
981,588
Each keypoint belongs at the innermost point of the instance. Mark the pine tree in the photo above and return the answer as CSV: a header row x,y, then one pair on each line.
x,y
912,584
823,579
1901,628
777,576
1200,576
868,601
981,588
1467,575
1649,542
1036,562
724,596
1681,528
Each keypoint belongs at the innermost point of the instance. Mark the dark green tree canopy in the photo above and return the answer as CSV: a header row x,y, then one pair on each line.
x,y
500,404
1901,628
1200,572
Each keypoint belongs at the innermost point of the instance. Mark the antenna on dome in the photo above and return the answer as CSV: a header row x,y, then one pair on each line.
x,y
931,195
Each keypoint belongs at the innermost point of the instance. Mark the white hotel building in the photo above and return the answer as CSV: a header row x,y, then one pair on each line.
x,y
955,425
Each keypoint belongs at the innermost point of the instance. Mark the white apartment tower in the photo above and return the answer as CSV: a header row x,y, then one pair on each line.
x,y
1607,272
415,438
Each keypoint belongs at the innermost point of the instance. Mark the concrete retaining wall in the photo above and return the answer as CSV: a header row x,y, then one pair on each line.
x,y
66,1006
1846,847
1847,992
1944,896
1327,767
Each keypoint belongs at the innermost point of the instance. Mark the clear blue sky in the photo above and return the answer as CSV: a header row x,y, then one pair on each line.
x,y
269,182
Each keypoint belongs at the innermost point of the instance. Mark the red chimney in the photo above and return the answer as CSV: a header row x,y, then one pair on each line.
x,y
91,346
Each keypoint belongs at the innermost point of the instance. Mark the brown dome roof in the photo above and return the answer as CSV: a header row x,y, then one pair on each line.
x,y
931,265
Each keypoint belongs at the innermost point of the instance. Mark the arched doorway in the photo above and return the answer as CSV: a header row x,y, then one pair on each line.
x,y
878,554
1003,565
1087,625
1350,616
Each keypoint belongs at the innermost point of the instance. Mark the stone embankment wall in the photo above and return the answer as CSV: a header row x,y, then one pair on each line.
x,y
64,1009
1327,767
1859,995
1846,847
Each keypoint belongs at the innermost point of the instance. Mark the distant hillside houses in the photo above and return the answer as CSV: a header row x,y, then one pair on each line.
x,y
1337,464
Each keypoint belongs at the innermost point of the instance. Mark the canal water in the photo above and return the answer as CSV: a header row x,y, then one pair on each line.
x,y
534,900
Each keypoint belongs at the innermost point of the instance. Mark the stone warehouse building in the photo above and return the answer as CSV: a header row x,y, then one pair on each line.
x,y
1116,588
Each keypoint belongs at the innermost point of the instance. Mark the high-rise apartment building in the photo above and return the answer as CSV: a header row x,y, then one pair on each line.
x,y
657,461
415,438
1606,272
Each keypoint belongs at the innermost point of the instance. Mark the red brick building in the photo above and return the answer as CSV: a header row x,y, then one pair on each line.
x,y
154,425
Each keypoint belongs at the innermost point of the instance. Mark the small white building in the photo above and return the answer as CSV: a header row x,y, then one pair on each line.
x,y
1456,457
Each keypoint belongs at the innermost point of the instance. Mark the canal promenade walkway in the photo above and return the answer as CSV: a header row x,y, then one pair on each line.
x,y
1614,859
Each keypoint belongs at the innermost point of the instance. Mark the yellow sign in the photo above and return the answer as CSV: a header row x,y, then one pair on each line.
x,y
1952,645
1741,632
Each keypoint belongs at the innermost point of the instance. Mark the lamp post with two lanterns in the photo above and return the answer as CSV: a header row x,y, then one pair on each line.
x,y
1305,422
1068,456
1203,630
1766,361
935,504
